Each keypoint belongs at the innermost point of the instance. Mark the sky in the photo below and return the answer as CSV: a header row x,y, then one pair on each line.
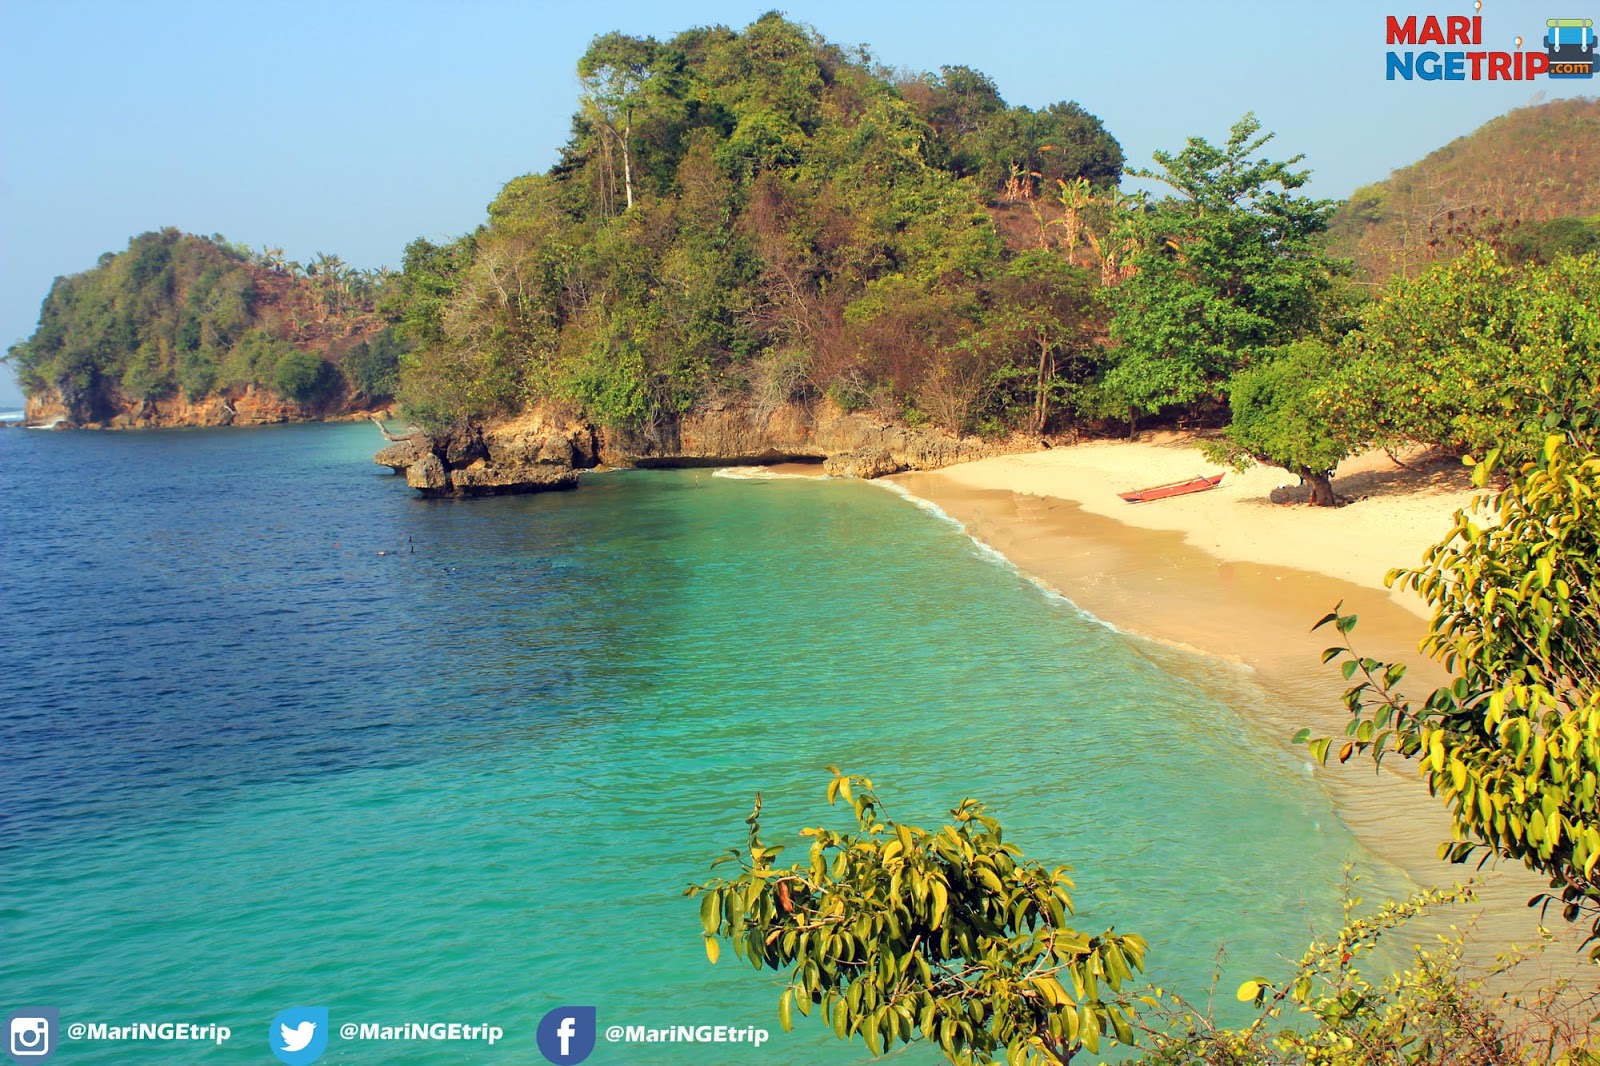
x,y
354,127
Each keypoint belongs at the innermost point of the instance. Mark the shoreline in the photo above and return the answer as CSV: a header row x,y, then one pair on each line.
x,y
1203,575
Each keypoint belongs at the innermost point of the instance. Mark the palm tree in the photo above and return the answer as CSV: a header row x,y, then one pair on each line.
x,y
1075,196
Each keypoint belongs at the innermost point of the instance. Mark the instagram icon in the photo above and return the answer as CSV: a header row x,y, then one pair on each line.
x,y
31,1034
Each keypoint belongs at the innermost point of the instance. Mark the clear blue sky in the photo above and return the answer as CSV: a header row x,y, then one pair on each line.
x,y
353,127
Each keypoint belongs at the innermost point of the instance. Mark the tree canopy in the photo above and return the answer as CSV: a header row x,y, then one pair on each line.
x,y
1278,417
1512,745
177,314
1467,354
892,932
1226,267
755,213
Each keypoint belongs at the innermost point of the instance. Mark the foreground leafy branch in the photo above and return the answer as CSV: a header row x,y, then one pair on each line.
x,y
894,932
1512,745
1330,1011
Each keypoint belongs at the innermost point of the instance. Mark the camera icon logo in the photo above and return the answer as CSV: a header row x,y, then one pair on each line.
x,y
31,1034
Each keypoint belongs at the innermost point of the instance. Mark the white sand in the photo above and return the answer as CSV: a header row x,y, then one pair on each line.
x,y
1395,514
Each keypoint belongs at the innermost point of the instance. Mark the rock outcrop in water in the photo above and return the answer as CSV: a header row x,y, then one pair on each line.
x,y
533,453
541,450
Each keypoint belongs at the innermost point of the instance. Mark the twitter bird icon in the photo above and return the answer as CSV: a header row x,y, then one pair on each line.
x,y
299,1035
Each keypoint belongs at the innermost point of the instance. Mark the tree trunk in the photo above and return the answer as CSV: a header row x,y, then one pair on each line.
x,y
1041,394
627,162
1321,487
390,437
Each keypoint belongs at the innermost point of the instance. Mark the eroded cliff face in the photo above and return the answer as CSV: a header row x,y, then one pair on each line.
x,y
541,450
250,406
532,453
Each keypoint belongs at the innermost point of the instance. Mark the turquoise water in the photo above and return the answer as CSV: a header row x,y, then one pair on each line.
x,y
250,763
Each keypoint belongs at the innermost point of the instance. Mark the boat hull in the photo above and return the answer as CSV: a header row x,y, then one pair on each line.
x,y
1176,488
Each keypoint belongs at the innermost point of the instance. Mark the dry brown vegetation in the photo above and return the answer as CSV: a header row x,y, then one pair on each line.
x,y
1530,165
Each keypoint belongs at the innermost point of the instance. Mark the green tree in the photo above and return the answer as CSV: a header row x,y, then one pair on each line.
x,y
1279,417
976,134
1512,744
304,377
1545,242
1041,317
614,72
1455,357
372,367
149,374
1226,268
892,931
429,277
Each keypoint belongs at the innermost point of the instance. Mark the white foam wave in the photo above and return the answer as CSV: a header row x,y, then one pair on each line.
x,y
762,473
995,555
11,416
52,424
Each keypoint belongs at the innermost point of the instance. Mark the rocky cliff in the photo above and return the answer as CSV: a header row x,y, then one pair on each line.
x,y
249,406
542,450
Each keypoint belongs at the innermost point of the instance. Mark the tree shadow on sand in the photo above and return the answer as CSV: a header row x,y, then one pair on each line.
x,y
1425,470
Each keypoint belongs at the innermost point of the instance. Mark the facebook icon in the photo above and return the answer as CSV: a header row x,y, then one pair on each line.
x,y
566,1035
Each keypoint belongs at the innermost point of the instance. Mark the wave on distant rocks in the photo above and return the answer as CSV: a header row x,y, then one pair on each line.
x,y
762,473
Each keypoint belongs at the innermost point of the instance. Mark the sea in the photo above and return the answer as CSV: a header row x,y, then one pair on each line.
x,y
277,733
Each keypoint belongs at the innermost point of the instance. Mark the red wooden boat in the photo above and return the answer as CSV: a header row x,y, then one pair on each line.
x,y
1177,488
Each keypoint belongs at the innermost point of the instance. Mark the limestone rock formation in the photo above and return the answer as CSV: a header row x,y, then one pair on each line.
x,y
427,475
401,454
867,463
247,406
542,449
532,453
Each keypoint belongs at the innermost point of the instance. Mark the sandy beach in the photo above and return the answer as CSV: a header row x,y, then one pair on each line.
x,y
1395,512
1234,574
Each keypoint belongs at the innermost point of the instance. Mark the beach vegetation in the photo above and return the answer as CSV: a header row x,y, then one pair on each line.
x,y
1225,270
1469,354
1342,1004
1278,417
892,933
1512,744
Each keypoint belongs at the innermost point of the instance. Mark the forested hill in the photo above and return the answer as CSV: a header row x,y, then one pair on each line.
x,y
1528,181
764,216
175,320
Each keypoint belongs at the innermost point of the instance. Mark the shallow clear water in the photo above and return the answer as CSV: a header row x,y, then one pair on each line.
x,y
247,762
